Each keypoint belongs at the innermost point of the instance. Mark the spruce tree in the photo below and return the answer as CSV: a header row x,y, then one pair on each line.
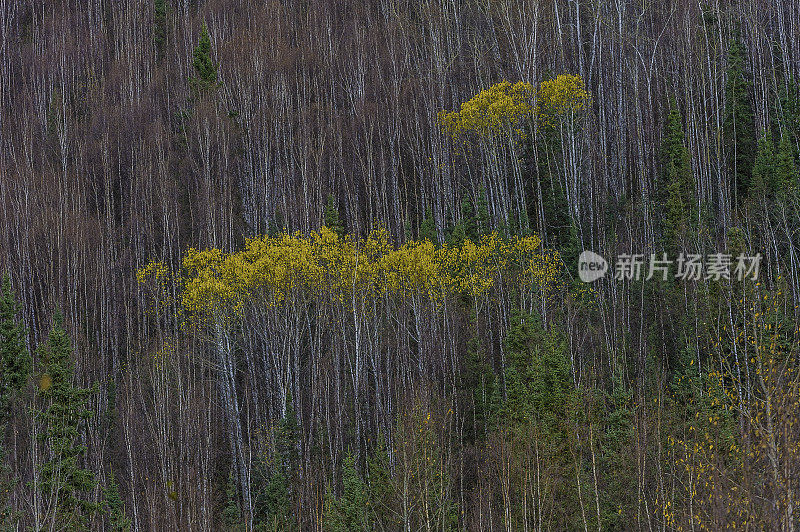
x,y
676,187
15,366
482,220
117,520
384,497
739,125
273,478
350,511
785,178
205,78
332,220
427,229
763,179
616,441
232,513
468,219
62,412
160,26
478,383
15,361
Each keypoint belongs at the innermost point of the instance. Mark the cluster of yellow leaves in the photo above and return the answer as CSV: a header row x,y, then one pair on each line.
x,y
496,110
271,270
502,109
565,95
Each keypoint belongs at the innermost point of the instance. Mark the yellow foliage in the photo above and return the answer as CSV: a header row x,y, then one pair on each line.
x,y
565,95
271,271
502,109
494,111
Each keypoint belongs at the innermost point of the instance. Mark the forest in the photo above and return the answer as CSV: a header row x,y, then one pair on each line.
x,y
412,265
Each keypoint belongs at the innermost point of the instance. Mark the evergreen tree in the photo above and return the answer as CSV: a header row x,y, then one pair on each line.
x,y
276,225
15,361
232,513
676,189
205,69
160,26
482,220
786,177
763,179
273,478
350,511
538,382
739,125
790,110
617,440
383,493
331,214
427,229
479,382
7,483
15,366
468,219
541,404
62,412
117,519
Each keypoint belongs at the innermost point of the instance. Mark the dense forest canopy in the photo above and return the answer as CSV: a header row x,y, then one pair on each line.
x,y
317,265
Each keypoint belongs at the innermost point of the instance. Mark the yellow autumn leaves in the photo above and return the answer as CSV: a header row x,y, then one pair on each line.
x,y
565,95
270,270
492,111
502,109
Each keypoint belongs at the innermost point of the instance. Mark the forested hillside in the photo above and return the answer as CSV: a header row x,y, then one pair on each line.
x,y
314,265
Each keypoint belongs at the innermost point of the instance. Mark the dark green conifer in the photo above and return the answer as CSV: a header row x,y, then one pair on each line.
x,y
786,177
331,214
482,220
62,412
468,219
427,229
205,78
763,179
15,360
117,520
676,188
160,26
350,511
738,130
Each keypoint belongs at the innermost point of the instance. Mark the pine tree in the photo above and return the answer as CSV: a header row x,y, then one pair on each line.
x,y
15,361
482,220
468,219
332,220
615,445
785,183
273,478
427,229
739,125
117,520
15,366
479,382
160,26
350,511
62,412
763,179
205,78
676,188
